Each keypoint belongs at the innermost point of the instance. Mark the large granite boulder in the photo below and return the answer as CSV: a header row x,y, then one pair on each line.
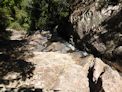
x,y
56,72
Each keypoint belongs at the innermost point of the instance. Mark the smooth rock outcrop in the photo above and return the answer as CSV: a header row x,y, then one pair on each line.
x,y
56,72
59,72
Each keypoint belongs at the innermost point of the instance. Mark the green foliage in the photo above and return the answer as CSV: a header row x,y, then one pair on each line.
x,y
15,11
3,24
33,14
15,25
46,14
3,20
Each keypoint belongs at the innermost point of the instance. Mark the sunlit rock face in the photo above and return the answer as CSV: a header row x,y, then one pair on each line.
x,y
98,25
59,68
61,72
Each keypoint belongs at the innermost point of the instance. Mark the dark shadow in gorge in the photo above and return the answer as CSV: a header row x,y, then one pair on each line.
x,y
10,63
5,35
113,25
113,30
24,89
66,31
94,86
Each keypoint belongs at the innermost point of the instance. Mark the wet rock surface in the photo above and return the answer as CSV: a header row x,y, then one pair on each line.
x,y
44,42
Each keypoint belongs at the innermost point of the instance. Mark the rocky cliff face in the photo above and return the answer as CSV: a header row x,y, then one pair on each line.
x,y
44,62
56,67
97,24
